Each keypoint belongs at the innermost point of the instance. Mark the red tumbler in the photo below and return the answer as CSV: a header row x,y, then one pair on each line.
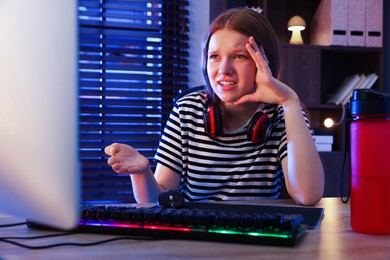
x,y
370,162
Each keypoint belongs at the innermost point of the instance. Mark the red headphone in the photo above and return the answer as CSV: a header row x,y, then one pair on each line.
x,y
259,128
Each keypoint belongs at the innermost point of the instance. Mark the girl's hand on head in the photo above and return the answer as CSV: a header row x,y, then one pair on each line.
x,y
125,159
267,88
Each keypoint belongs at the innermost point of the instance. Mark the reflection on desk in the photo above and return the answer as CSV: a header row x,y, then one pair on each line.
x,y
333,240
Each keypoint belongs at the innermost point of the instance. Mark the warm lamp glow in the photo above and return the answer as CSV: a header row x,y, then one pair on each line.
x,y
328,122
296,24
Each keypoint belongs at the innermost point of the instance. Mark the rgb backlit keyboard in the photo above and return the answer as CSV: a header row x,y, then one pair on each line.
x,y
254,224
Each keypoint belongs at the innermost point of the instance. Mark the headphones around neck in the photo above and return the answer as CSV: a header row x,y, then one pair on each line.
x,y
259,128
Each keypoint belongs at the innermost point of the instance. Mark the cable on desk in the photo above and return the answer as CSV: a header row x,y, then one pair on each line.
x,y
40,236
13,224
6,240
9,240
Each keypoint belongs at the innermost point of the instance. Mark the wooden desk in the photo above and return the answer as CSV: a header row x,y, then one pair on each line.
x,y
333,240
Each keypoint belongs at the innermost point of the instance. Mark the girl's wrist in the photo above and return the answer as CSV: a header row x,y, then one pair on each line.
x,y
292,101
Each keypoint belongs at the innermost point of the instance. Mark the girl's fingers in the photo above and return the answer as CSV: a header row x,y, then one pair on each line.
x,y
252,42
107,150
262,51
257,53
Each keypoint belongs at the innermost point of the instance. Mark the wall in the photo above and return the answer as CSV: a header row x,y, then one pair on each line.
x,y
199,21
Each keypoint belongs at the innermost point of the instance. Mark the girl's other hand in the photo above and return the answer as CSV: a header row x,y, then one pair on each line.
x,y
126,159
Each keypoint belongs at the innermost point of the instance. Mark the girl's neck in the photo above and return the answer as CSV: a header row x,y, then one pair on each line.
x,y
235,116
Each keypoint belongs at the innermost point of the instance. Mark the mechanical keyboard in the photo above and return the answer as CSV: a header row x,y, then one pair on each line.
x,y
254,224
219,222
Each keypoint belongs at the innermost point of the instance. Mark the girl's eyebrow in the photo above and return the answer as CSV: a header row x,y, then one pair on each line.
x,y
236,50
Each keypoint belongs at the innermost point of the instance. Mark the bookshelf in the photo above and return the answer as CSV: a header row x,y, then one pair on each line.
x,y
315,72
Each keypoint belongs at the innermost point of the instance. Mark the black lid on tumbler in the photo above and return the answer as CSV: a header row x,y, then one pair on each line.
x,y
369,101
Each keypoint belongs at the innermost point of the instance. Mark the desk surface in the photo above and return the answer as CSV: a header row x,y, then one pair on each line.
x,y
333,240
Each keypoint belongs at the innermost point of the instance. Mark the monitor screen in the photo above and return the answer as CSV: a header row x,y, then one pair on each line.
x,y
39,167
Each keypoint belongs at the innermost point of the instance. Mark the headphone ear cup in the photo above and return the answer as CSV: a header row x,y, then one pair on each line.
x,y
259,128
206,120
213,121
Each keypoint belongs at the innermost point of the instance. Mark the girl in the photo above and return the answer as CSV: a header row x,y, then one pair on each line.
x,y
242,138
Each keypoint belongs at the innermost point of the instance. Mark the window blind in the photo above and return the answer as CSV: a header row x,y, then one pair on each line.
x,y
132,65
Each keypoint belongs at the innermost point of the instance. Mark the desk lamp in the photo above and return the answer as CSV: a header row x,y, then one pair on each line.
x,y
296,24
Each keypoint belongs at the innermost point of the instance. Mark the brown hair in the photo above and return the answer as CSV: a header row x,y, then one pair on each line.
x,y
247,22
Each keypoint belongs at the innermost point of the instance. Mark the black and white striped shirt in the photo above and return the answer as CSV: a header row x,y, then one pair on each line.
x,y
224,168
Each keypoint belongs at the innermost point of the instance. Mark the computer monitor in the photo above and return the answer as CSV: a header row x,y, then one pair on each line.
x,y
39,167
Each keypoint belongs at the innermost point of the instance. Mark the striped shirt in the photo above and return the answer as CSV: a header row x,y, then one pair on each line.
x,y
228,167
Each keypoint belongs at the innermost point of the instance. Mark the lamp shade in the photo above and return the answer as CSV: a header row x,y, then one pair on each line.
x,y
296,23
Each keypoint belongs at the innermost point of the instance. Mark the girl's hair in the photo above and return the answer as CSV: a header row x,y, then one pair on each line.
x,y
247,22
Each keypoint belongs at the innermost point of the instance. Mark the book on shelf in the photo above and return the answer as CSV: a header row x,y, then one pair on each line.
x,y
366,82
323,143
369,82
344,91
323,139
324,147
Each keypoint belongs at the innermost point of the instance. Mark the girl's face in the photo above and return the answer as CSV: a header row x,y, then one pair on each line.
x,y
230,68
